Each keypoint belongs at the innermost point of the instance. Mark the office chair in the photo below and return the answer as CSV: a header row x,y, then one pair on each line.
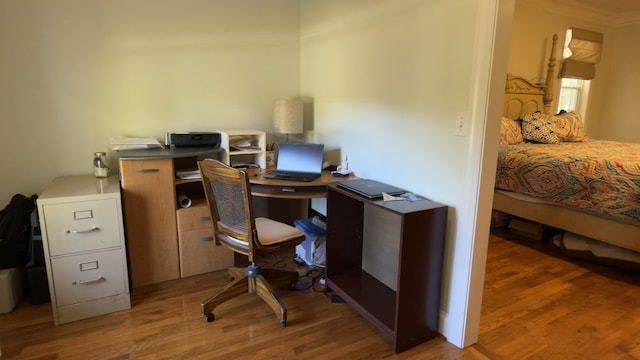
x,y
228,194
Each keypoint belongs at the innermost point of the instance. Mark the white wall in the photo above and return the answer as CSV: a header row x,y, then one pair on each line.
x,y
611,114
386,87
77,72
386,80
618,118
533,29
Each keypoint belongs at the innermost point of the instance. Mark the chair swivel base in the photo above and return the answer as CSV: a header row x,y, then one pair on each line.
x,y
245,280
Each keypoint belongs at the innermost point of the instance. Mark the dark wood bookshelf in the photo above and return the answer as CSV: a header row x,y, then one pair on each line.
x,y
385,260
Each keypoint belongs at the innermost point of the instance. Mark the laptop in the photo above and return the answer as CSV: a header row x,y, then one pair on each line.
x,y
370,188
298,162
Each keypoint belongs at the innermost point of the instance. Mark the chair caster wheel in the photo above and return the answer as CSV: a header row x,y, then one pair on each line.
x,y
283,323
209,317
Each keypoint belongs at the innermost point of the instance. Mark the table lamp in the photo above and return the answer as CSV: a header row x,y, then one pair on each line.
x,y
287,116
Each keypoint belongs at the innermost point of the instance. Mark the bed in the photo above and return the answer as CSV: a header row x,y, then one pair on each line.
x,y
587,187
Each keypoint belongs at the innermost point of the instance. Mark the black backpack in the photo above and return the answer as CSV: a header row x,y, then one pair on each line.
x,y
15,226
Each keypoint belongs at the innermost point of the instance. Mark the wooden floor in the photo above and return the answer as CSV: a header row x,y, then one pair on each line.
x,y
535,306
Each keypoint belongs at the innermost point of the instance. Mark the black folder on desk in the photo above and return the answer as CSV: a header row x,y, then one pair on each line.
x,y
371,189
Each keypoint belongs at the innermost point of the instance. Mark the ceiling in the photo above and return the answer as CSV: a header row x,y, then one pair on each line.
x,y
611,12
619,7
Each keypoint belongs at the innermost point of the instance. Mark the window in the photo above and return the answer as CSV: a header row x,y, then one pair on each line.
x,y
573,95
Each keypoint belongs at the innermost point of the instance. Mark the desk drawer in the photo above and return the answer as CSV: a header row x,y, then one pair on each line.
x,y
81,226
289,192
199,253
195,217
88,276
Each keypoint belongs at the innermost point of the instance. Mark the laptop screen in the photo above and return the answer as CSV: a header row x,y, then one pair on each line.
x,y
300,157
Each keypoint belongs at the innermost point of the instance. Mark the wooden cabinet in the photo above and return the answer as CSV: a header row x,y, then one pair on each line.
x,y
244,147
84,246
198,250
150,208
385,260
165,240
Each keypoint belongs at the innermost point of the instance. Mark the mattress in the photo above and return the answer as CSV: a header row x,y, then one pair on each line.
x,y
596,176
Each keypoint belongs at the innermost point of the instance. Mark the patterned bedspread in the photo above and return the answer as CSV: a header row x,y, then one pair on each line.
x,y
596,176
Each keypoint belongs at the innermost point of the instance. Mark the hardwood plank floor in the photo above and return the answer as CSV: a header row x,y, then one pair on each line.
x,y
535,306
540,305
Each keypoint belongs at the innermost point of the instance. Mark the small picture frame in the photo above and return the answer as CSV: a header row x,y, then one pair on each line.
x,y
271,158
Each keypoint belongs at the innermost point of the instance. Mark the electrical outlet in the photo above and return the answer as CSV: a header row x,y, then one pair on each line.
x,y
461,124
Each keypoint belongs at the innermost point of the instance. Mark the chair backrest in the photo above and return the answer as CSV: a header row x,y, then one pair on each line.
x,y
229,197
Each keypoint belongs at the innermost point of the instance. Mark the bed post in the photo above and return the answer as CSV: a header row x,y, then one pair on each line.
x,y
549,85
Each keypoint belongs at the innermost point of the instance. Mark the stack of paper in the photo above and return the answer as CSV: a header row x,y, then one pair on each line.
x,y
134,143
244,145
188,174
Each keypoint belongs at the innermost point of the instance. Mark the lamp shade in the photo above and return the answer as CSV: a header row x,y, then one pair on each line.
x,y
287,116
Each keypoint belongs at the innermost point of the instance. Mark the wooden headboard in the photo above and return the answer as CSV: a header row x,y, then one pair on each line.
x,y
523,97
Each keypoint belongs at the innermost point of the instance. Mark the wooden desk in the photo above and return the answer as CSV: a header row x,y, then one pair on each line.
x,y
289,200
286,189
164,240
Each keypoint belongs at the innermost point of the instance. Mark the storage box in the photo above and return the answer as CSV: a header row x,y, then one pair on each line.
x,y
313,249
499,219
530,229
10,289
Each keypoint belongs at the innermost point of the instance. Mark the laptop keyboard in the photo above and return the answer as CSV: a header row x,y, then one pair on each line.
x,y
287,175
283,174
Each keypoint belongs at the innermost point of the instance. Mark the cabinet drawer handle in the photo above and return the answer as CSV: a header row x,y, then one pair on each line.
x,y
81,231
148,170
87,282
204,218
206,238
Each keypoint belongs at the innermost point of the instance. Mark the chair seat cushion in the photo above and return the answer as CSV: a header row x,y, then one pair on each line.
x,y
271,232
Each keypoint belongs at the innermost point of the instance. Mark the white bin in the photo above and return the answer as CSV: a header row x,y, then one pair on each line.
x,y
10,289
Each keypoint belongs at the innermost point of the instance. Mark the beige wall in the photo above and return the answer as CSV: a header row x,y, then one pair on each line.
x,y
611,111
77,72
387,86
384,82
618,117
387,79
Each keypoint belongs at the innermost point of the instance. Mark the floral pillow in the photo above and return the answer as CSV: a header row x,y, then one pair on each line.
x,y
569,127
539,128
510,133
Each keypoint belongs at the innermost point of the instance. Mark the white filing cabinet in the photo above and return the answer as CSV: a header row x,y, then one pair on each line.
x,y
84,248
